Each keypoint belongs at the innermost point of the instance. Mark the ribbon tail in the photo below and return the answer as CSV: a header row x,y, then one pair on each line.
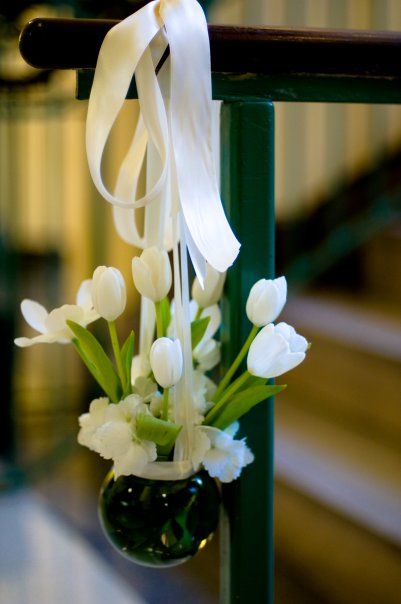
x,y
191,132
126,187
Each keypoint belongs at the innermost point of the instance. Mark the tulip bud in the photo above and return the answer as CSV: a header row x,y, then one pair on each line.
x,y
152,274
108,292
166,361
266,300
276,350
213,288
140,367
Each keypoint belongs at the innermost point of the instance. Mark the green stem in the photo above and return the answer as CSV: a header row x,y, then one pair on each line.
x,y
198,313
117,353
236,385
159,320
166,392
227,377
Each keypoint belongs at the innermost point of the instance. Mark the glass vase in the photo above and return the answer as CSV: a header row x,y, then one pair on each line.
x,y
159,523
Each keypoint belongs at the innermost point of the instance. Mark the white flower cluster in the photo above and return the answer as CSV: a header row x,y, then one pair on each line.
x,y
149,383
277,348
110,431
220,454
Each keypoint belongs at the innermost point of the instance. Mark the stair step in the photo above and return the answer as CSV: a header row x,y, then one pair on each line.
x,y
352,373
345,472
330,559
338,513
356,323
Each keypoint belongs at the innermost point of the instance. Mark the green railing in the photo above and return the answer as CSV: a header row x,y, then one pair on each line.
x,y
252,67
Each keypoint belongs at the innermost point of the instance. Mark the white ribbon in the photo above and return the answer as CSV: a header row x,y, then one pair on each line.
x,y
177,118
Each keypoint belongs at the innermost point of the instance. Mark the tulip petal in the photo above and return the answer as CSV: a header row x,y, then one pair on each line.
x,y
34,314
142,281
281,284
298,343
42,339
287,362
264,351
112,297
84,295
56,320
89,317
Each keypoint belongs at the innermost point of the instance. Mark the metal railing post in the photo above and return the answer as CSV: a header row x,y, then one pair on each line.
x,y
247,179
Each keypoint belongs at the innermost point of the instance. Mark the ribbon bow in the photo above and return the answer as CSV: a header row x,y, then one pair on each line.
x,y
175,121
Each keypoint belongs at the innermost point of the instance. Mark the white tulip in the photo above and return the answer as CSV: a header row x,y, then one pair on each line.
x,y
213,312
152,274
207,355
140,367
166,361
213,288
108,292
266,300
52,325
276,350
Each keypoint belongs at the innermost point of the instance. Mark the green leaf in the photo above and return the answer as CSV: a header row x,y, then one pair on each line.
x,y
96,360
157,430
165,313
252,381
127,352
242,402
198,328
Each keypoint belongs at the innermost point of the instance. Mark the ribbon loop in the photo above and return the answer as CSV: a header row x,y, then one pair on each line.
x,y
124,51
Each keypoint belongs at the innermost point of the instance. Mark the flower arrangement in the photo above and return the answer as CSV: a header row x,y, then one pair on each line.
x,y
166,419
135,422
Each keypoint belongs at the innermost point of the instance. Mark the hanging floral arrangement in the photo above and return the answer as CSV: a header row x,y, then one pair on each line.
x,y
167,418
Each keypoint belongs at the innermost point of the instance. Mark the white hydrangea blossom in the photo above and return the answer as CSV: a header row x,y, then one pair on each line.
x,y
91,421
109,429
222,456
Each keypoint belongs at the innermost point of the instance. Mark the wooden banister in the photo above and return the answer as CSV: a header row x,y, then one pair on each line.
x,y
75,43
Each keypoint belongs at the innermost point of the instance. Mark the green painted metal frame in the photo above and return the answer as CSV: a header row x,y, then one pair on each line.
x,y
247,152
288,88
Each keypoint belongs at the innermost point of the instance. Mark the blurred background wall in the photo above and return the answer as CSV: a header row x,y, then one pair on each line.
x,y
338,173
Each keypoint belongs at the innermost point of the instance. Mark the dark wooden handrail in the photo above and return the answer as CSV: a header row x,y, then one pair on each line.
x,y
75,43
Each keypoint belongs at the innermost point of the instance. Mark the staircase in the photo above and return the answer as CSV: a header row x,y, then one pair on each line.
x,y
338,440
326,242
